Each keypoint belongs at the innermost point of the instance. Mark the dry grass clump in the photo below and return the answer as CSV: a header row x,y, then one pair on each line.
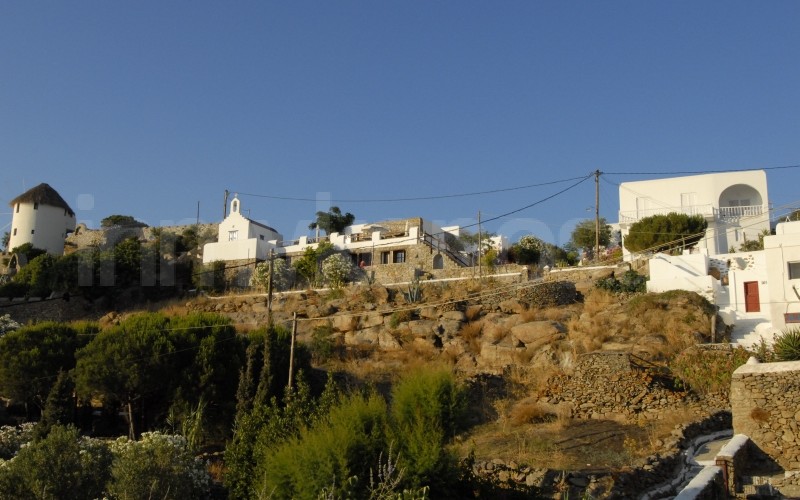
x,y
598,300
471,333
473,313
590,334
529,411
527,380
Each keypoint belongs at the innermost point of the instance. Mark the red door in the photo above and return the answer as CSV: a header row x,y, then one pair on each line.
x,y
751,300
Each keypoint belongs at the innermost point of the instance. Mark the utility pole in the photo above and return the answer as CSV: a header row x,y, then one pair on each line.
x,y
291,350
269,286
225,205
597,215
480,242
197,220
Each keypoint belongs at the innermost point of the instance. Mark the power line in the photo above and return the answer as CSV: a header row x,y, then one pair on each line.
x,y
698,172
415,198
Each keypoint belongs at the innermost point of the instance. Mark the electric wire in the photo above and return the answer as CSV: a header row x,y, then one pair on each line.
x,y
414,198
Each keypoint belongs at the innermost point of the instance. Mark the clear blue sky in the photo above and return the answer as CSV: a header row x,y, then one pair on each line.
x,y
145,108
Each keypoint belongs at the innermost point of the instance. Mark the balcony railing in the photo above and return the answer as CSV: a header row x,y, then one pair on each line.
x,y
736,213
726,214
635,215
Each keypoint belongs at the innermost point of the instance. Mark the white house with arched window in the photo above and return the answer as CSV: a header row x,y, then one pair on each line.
x,y
41,217
241,238
735,205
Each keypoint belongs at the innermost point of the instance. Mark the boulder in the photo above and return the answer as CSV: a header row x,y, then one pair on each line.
x,y
454,316
345,322
370,320
447,328
428,313
533,332
421,327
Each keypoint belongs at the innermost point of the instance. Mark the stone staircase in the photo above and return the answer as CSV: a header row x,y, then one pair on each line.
x,y
749,329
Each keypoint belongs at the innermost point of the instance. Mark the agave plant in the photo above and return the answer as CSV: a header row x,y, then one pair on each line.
x,y
787,345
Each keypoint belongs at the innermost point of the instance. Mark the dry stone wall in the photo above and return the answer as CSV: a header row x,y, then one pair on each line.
x,y
765,401
608,385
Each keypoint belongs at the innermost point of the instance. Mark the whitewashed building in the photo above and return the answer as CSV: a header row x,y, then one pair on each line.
x,y
782,254
758,292
241,238
41,217
735,205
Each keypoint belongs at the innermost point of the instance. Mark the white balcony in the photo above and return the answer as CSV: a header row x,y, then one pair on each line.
x,y
710,212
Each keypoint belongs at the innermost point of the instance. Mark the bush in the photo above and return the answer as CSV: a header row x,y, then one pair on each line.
x,y
157,466
13,437
332,451
122,221
707,371
280,275
660,233
62,465
631,282
787,345
323,346
7,324
428,408
337,270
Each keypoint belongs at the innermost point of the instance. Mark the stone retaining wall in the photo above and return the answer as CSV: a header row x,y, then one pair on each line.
x,y
765,400
35,311
637,391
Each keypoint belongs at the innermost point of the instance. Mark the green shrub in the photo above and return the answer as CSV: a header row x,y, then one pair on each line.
x,y
706,371
156,466
332,451
323,345
428,408
398,317
631,282
62,465
787,345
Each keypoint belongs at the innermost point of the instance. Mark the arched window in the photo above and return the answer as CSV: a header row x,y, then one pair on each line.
x,y
438,261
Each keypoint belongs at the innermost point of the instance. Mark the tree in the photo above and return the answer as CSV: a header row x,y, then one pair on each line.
x,y
280,275
31,358
29,251
585,232
130,364
754,245
660,233
60,405
332,221
122,221
6,239
308,266
528,250
337,270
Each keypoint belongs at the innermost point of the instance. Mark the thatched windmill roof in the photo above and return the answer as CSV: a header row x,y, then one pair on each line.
x,y
44,195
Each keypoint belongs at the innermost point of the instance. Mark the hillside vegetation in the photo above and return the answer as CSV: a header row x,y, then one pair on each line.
x,y
429,390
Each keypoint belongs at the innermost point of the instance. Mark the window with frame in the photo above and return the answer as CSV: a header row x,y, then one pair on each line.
x,y
385,257
794,270
399,256
233,235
